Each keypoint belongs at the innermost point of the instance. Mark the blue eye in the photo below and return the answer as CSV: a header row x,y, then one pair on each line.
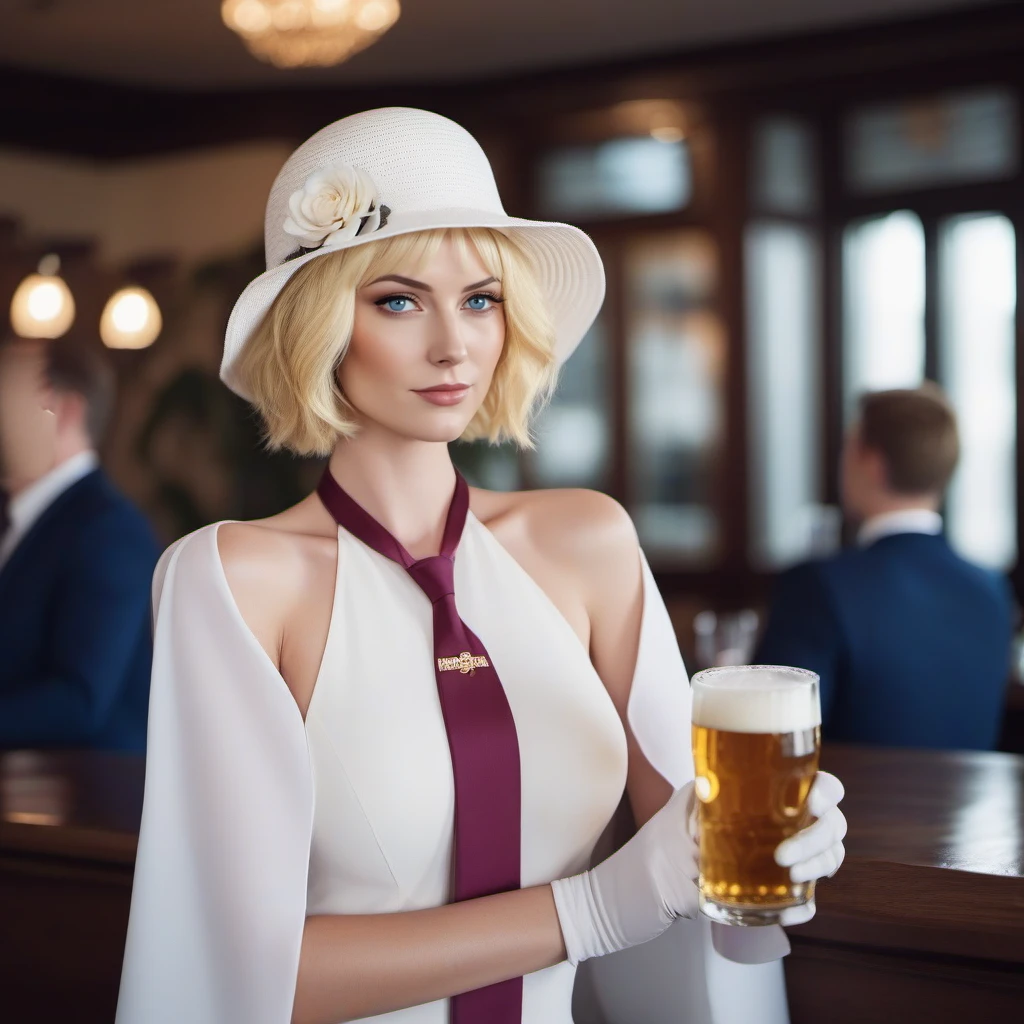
x,y
397,304
482,302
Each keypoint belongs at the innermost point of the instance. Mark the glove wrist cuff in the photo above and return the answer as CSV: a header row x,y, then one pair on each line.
x,y
584,930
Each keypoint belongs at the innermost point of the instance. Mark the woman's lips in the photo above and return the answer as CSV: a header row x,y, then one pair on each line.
x,y
445,394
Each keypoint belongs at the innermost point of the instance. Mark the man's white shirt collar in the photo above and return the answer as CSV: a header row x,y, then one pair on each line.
x,y
28,506
908,520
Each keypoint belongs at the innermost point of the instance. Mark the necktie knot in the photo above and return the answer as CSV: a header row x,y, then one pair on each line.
x,y
435,576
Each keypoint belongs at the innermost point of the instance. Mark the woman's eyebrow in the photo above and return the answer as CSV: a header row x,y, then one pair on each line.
x,y
481,284
407,281
412,283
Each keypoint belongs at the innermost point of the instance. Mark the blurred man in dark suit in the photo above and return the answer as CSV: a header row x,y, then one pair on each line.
x,y
911,641
76,561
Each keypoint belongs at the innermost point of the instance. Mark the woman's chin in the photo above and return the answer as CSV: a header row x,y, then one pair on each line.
x,y
443,430
443,436
439,426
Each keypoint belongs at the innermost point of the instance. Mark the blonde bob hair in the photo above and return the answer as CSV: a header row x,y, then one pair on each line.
x,y
290,363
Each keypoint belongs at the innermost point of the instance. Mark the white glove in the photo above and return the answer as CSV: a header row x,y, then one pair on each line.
x,y
636,893
816,851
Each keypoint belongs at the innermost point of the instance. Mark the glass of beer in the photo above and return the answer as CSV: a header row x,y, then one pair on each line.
x,y
756,742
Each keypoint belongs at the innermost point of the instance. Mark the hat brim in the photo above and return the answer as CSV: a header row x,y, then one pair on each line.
x,y
566,262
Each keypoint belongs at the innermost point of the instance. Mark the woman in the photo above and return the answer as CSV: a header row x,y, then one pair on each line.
x,y
377,775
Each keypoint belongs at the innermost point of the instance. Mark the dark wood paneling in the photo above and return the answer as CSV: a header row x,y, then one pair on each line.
x,y
831,321
95,119
732,184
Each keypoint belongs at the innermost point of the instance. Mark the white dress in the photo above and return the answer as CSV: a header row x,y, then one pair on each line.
x,y
254,819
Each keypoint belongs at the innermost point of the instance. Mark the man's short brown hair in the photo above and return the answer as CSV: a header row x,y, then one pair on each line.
x,y
76,368
915,432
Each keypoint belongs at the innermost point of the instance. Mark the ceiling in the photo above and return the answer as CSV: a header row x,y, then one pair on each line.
x,y
182,44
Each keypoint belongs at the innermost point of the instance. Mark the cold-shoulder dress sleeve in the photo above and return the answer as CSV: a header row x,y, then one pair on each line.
x,y
219,898
696,972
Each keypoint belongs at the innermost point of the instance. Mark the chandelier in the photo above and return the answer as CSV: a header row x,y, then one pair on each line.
x,y
306,33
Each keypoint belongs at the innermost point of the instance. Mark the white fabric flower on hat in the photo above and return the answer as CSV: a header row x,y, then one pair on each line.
x,y
333,206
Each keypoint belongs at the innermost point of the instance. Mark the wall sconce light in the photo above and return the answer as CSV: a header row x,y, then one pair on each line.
x,y
43,306
131,319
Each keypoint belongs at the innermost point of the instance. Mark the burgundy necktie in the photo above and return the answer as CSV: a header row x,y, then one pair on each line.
x,y
481,735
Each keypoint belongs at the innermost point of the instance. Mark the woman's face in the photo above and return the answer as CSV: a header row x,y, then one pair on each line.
x,y
425,343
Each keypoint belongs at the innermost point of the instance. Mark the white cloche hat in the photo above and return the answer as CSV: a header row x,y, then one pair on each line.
x,y
390,172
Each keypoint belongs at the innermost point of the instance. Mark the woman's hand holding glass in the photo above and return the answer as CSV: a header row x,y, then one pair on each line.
x,y
637,892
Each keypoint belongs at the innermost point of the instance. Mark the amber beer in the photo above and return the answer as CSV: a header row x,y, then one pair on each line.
x,y
756,741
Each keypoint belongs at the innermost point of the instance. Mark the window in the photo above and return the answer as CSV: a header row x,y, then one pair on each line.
x,y
883,305
933,140
783,391
573,432
784,180
884,347
620,176
977,267
676,347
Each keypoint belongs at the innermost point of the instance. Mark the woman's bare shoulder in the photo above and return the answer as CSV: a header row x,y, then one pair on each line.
x,y
279,545
276,568
253,551
571,524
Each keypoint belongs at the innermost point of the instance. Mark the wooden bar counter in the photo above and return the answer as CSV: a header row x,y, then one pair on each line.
x,y
925,920
68,831
924,923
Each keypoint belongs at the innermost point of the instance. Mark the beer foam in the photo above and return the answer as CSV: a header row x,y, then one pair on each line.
x,y
756,699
